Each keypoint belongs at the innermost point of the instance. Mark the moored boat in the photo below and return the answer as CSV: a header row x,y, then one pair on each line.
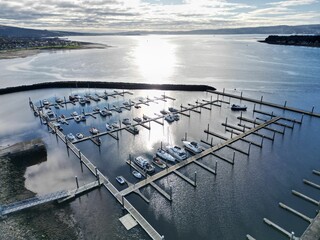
x,y
77,118
177,152
144,164
137,119
133,130
126,121
193,147
157,161
169,118
71,137
120,180
173,110
115,125
236,107
94,130
164,155
79,135
136,174
108,127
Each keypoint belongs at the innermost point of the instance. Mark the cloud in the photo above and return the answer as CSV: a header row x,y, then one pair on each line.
x,y
104,15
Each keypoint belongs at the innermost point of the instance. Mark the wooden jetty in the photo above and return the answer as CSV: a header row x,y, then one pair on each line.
x,y
313,230
316,172
312,184
295,212
283,107
309,199
280,229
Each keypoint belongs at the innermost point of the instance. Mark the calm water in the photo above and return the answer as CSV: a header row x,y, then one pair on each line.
x,y
227,206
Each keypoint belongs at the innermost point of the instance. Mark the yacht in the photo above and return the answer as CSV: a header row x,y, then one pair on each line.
x,y
133,130
103,112
59,100
83,118
96,109
56,106
79,135
50,115
236,107
192,147
120,180
177,152
94,130
97,140
144,164
115,125
87,99
157,161
136,174
45,102
164,155
74,114
137,119
71,137
126,121
82,101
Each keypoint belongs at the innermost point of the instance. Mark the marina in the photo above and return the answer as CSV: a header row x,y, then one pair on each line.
x,y
228,141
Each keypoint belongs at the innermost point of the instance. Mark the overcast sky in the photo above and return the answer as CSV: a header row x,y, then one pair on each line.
x,y
114,15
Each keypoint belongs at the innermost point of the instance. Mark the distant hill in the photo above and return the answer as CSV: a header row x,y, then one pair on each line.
x,y
8,31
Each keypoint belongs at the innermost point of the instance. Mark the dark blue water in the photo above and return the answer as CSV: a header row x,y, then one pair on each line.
x,y
227,206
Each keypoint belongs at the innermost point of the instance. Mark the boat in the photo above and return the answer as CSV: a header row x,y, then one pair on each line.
x,y
127,104
120,180
145,117
72,98
97,140
126,121
94,130
164,155
136,174
169,118
71,137
108,112
79,135
176,117
83,118
56,105
137,106
164,112
236,107
173,110
133,130
177,152
87,99
137,119
157,161
59,100
115,125
74,114
192,147
50,115
103,112
96,109
82,101
144,164
77,118
45,102
108,127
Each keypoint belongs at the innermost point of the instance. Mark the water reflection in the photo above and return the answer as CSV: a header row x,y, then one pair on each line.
x,y
155,57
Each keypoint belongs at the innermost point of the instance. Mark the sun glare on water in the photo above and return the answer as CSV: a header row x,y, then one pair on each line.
x,y
155,58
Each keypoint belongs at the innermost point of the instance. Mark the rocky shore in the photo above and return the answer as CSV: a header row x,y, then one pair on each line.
x,y
294,40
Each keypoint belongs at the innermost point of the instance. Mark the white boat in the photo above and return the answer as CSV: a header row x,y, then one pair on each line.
x,y
126,121
108,127
79,135
136,174
96,109
177,152
71,137
133,130
176,117
56,106
45,102
236,107
103,112
144,164
59,100
164,155
82,101
169,118
77,118
192,147
50,115
164,112
115,125
137,106
94,130
74,114
83,118
120,180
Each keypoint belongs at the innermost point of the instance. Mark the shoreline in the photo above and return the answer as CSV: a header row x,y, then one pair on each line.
x,y
23,53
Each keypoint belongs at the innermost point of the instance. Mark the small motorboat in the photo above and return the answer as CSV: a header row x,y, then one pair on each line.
x,y
173,110
96,109
74,114
120,180
169,118
126,121
97,140
56,106
133,130
108,127
77,118
236,107
137,119
79,135
115,125
94,130
164,155
103,112
136,174
157,161
45,102
82,101
83,118
59,100
71,137
193,147
176,117
164,112
137,106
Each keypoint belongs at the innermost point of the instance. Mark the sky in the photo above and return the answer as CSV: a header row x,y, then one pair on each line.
x,y
162,15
